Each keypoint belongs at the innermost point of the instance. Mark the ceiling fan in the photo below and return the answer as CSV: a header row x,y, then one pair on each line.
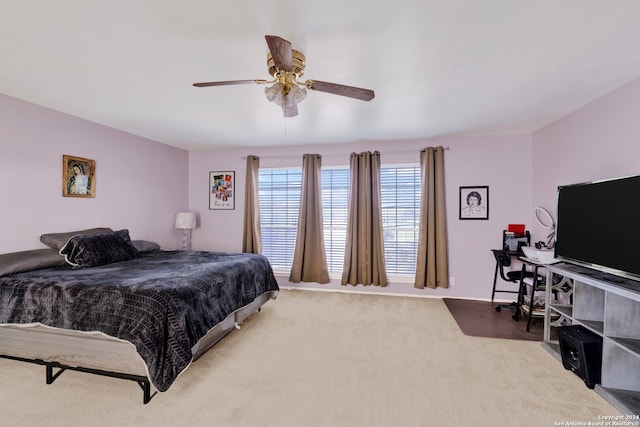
x,y
286,66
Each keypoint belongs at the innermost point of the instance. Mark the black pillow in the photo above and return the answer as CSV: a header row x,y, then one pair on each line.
x,y
58,240
89,250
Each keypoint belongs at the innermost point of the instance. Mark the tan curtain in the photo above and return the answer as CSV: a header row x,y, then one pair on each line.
x,y
309,257
364,249
252,238
432,268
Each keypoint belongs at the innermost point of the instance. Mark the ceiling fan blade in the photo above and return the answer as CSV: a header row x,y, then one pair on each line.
x,y
280,52
230,82
336,89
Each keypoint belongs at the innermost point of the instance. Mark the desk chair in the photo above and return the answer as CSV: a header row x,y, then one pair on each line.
x,y
503,259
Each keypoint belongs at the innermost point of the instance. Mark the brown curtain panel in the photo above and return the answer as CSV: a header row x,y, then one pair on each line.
x,y
309,257
251,236
432,267
364,249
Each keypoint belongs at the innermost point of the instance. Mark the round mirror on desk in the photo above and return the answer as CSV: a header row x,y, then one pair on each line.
x,y
545,219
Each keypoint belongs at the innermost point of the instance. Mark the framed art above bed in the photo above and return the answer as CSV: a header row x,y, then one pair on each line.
x,y
78,177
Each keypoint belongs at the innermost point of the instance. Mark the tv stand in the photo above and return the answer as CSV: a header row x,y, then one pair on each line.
x,y
609,306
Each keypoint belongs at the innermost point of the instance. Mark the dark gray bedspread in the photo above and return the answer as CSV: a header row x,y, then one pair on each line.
x,y
163,302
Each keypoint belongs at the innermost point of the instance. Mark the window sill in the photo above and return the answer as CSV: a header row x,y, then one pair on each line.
x,y
336,277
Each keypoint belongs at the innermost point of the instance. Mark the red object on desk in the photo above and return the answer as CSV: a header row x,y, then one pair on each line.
x,y
516,228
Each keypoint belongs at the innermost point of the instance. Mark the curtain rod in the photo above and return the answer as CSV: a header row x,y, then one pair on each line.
x,y
292,156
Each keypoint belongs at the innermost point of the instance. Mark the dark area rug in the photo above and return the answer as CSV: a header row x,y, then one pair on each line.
x,y
480,319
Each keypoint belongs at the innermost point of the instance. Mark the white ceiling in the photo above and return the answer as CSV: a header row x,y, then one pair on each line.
x,y
438,67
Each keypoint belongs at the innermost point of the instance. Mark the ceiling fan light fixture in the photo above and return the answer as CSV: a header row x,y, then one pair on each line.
x,y
298,93
275,94
272,92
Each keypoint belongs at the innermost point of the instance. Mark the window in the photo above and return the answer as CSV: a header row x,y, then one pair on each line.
x,y
335,211
400,196
280,203
279,194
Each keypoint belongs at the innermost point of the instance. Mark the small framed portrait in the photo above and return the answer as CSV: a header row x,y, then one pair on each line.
x,y
78,177
474,202
221,190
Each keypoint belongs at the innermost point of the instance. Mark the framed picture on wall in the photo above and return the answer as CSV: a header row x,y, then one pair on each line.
x,y
474,202
221,190
78,177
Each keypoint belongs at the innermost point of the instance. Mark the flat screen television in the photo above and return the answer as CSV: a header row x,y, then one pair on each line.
x,y
598,225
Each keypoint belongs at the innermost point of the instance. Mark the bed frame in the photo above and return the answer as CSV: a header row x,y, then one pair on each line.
x,y
98,353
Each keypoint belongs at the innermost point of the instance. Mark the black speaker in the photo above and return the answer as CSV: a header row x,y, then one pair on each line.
x,y
581,352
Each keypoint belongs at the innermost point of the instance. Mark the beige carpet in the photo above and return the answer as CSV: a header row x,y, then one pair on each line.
x,y
326,359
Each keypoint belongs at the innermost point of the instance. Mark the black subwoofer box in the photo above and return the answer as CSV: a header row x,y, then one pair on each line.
x,y
581,352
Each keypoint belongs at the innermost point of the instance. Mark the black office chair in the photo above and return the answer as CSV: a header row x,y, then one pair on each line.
x,y
503,259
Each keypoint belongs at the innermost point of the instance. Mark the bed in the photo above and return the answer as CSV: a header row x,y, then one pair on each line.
x,y
123,310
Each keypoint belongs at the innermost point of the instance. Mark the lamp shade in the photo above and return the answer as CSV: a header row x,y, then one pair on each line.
x,y
185,220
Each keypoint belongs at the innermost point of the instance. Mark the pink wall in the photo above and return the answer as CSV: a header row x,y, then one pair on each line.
x,y
599,141
140,184
501,162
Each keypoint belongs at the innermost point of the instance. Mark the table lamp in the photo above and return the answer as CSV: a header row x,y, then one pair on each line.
x,y
186,221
